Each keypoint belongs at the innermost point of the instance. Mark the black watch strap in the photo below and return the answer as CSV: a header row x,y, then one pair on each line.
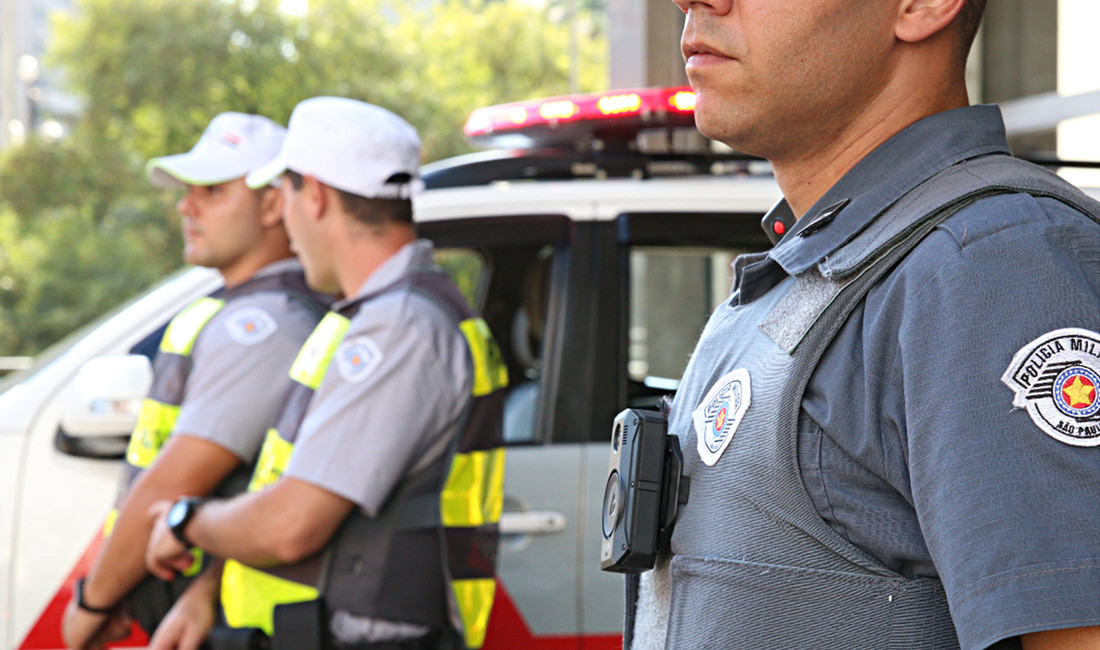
x,y
177,527
78,594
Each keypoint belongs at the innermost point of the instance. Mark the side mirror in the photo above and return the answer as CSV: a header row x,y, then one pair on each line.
x,y
100,406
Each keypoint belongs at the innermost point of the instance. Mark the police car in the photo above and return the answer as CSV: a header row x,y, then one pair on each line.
x,y
595,237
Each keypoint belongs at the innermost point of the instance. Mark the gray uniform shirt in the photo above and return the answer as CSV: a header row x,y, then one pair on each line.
x,y
909,444
393,399
239,366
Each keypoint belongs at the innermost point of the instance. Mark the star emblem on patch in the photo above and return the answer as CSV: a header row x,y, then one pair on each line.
x,y
1056,378
717,417
250,325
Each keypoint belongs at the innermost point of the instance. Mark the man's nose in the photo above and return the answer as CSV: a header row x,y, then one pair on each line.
x,y
186,204
713,6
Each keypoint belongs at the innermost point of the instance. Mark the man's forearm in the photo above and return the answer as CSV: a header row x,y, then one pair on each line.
x,y
1077,638
235,528
282,524
186,466
208,583
117,569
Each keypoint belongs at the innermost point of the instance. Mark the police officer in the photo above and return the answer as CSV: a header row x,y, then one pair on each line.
x,y
891,426
374,503
212,396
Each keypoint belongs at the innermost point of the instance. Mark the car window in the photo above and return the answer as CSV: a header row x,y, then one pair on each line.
x,y
503,267
673,290
468,270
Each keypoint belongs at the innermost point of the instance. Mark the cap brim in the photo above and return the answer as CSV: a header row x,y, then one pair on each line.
x,y
188,169
266,174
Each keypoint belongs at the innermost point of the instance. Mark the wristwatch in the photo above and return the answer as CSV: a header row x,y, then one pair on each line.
x,y
78,596
180,515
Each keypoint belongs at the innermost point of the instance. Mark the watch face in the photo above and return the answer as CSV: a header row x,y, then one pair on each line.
x,y
177,513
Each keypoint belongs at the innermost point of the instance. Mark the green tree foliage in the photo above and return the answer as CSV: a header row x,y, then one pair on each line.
x,y
80,227
516,57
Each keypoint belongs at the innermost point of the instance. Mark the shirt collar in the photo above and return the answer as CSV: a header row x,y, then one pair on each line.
x,y
412,257
882,177
279,266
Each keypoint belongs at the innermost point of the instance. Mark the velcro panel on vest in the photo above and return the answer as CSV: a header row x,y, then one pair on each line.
x,y
823,610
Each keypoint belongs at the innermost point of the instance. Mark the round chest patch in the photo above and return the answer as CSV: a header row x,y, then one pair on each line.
x,y
357,357
717,416
1056,378
250,325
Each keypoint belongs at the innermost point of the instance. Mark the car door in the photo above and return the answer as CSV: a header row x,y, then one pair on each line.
x,y
673,269
520,272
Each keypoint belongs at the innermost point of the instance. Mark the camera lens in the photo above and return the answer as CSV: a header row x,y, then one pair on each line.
x,y
615,435
612,504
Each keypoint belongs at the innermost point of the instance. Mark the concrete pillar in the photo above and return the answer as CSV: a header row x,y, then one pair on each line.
x,y
9,81
645,43
1019,57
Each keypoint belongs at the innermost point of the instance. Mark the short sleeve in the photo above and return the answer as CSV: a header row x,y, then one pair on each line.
x,y
391,401
1010,514
240,371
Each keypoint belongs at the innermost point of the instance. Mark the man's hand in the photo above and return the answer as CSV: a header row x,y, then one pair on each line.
x,y
84,630
165,556
190,620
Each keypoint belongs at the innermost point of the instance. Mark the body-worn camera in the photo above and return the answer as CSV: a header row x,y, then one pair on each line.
x,y
645,489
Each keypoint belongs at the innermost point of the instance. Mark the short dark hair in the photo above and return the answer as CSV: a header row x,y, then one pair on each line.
x,y
372,212
968,21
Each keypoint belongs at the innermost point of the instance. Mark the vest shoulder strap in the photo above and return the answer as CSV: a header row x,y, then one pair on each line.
x,y
434,285
291,282
943,195
853,269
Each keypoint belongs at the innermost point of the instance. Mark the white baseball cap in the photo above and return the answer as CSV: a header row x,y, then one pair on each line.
x,y
233,145
351,145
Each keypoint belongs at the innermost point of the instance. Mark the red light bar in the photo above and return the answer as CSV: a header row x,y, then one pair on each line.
x,y
649,105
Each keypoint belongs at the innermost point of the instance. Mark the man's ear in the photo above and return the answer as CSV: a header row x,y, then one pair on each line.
x,y
921,19
314,198
271,207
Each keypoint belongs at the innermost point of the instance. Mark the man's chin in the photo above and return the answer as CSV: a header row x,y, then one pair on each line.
x,y
197,258
736,134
